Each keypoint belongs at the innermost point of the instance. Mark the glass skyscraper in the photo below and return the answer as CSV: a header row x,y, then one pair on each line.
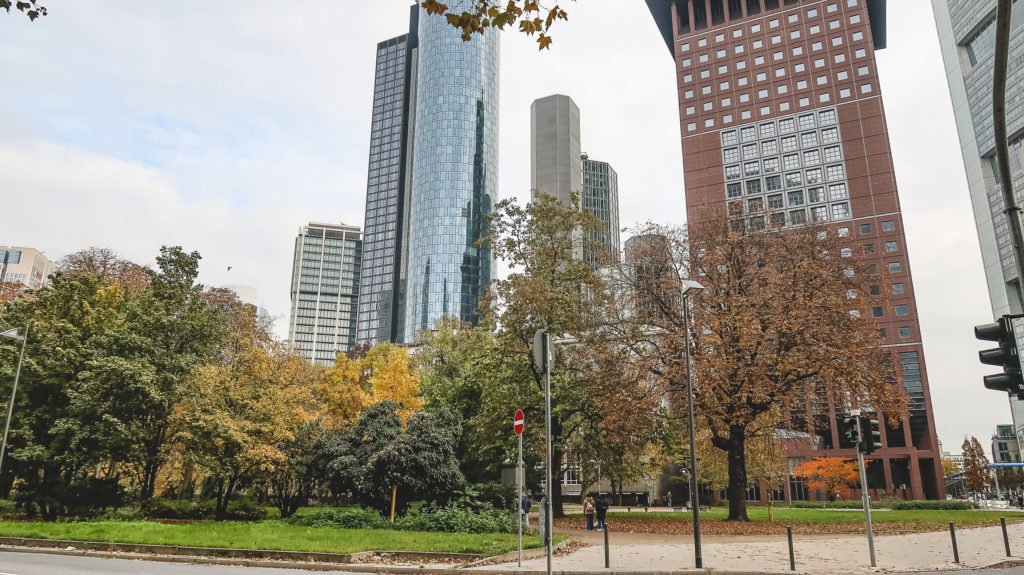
x,y
325,277
601,198
432,180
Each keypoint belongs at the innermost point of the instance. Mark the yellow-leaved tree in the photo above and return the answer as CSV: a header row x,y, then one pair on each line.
x,y
392,377
342,392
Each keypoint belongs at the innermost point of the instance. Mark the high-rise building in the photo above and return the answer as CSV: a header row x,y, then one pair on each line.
x,y
555,168
967,38
26,266
781,111
325,284
601,197
559,169
433,179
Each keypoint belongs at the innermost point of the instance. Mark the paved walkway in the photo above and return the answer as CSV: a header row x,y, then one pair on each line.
x,y
978,547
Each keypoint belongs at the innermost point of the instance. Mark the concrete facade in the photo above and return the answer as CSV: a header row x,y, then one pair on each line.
x,y
555,167
781,110
325,285
27,266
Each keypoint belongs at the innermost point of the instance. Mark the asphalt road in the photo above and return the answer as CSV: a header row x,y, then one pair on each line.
x,y
43,564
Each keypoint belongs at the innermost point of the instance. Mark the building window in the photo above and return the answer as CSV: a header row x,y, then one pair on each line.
x,y
775,202
842,75
729,137
789,143
846,252
897,288
891,246
807,121
819,214
731,154
813,176
801,85
812,158
895,267
840,211
753,187
840,58
771,165
791,161
881,333
819,63
734,190
748,133
804,102
876,312
758,44
844,93
858,36
815,195
837,41
755,205
830,136
865,229
749,151
809,139
901,309
736,208
888,226
797,217
769,147
732,172
796,198
904,332
794,180
751,169
863,71
834,172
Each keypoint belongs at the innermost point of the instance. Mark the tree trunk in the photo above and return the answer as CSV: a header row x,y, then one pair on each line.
x,y
557,510
737,474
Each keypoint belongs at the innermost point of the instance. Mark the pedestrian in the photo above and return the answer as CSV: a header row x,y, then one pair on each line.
x,y
524,506
602,512
668,499
588,509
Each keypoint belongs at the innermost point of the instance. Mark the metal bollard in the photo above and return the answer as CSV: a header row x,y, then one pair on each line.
x,y
607,557
1006,538
792,558
952,535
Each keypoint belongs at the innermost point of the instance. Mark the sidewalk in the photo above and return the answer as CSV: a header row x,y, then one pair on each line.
x,y
979,547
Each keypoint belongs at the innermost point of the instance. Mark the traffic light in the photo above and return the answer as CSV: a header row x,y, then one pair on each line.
x,y
848,432
1005,356
871,437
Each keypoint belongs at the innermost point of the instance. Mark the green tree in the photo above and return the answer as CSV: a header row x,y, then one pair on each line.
x,y
551,287
379,454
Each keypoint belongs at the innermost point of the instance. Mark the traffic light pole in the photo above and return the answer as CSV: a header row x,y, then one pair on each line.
x,y
865,499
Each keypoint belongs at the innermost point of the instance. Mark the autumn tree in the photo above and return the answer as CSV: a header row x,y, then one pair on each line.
x,y
477,15
392,377
9,291
977,474
949,467
31,8
551,287
341,392
779,321
833,475
240,414
107,264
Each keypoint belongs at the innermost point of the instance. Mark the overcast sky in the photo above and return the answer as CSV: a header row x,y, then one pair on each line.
x,y
223,126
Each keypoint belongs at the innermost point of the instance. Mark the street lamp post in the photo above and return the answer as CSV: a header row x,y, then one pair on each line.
x,y
690,289
12,334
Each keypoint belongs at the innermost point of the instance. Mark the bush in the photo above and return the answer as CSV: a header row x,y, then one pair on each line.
x,y
453,519
933,504
840,504
342,518
243,508
159,508
8,507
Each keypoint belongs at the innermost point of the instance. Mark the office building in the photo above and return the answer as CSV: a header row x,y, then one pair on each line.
x,y
1005,447
25,266
558,168
325,283
967,39
433,179
601,197
782,118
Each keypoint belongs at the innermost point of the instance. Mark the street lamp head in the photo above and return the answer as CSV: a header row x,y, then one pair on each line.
x,y
12,334
691,288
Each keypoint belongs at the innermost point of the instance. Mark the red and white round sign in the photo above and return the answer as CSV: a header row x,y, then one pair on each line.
x,y
517,423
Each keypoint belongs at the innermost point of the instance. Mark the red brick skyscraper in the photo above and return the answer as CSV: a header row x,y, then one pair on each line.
x,y
780,110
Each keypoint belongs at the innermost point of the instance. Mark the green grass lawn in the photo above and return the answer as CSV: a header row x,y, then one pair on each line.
x,y
269,535
924,518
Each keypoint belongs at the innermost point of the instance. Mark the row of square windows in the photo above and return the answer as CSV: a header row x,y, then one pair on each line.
x,y
812,157
839,212
798,68
781,89
765,111
778,55
832,173
792,18
784,126
776,201
814,195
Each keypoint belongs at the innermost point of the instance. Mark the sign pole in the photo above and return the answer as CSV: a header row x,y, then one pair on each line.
x,y
865,499
520,501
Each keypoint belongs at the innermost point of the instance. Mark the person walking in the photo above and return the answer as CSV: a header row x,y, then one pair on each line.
x,y
602,512
524,506
668,499
588,509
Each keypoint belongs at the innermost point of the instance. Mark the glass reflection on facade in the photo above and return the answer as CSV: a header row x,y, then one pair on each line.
x,y
454,174
325,279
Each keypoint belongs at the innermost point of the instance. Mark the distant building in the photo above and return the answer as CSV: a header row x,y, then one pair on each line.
x,y
249,296
1005,447
325,285
558,168
27,266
